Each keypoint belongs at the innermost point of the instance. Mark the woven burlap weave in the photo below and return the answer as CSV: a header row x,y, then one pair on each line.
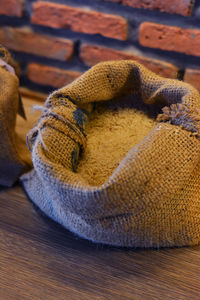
x,y
152,199
12,149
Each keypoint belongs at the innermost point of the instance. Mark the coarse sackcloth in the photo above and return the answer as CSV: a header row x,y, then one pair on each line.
x,y
152,198
14,158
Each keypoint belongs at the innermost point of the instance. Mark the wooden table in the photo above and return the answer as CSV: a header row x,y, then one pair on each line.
x,y
39,260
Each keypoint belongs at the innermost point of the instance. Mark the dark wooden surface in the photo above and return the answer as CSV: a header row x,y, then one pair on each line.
x,y
41,260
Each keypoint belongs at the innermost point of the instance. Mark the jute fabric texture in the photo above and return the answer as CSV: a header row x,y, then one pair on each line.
x,y
152,199
12,149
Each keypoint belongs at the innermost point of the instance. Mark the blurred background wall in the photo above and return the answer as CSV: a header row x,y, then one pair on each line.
x,y
55,41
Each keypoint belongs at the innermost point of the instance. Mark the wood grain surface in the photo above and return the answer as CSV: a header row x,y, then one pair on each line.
x,y
40,260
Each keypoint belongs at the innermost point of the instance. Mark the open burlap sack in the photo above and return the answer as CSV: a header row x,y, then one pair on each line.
x,y
13,151
150,196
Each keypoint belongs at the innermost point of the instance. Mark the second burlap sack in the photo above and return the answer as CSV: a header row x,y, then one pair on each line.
x,y
14,158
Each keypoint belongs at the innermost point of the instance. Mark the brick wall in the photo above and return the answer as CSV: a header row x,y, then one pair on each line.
x,y
55,41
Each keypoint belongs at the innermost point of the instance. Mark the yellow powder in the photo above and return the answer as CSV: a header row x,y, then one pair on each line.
x,y
111,133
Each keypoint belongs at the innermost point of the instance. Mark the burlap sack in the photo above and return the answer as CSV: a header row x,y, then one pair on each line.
x,y
152,197
12,149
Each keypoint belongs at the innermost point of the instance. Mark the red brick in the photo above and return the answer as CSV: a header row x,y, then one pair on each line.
x,y
51,76
170,38
26,41
183,7
192,76
92,54
81,20
11,7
